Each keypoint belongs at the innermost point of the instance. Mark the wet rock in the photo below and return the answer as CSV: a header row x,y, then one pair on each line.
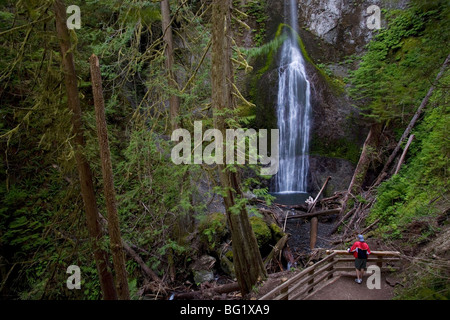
x,y
202,269
340,171
342,23
201,276
205,262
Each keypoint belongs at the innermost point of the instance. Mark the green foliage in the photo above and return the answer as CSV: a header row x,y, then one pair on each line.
x,y
265,49
431,285
42,224
406,196
258,10
213,229
392,79
389,83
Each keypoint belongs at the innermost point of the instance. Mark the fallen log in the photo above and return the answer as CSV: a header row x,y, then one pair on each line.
x,y
302,207
226,288
402,158
362,232
315,214
145,269
318,195
276,249
337,195
370,226
348,214
352,220
271,215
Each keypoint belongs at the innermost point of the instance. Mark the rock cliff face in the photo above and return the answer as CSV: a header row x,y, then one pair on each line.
x,y
333,32
343,24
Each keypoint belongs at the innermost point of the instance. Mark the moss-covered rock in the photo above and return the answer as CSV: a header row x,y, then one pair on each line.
x,y
262,231
277,233
226,263
213,230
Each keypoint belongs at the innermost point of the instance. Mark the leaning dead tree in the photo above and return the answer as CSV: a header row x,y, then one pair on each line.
x,y
115,237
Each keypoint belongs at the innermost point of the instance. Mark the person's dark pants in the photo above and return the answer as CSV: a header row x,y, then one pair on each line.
x,y
360,264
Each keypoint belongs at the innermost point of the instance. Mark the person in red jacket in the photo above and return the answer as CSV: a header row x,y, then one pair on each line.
x,y
361,251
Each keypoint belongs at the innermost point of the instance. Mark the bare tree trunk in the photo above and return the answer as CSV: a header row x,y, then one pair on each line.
x,y
370,146
115,237
247,259
402,158
84,171
174,101
313,229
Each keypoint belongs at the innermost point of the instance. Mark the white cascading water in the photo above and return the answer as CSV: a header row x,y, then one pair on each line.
x,y
293,112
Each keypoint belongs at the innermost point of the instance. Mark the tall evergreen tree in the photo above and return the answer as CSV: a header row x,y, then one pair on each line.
x,y
247,259
174,101
84,170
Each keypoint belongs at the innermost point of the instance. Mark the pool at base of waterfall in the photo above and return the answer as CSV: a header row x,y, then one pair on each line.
x,y
290,197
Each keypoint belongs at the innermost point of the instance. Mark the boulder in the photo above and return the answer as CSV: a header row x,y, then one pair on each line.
x,y
202,269
201,276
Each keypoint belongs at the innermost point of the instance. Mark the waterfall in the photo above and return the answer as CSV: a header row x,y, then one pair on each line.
x,y
293,111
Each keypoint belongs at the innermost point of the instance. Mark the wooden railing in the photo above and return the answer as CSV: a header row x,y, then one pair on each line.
x,y
303,283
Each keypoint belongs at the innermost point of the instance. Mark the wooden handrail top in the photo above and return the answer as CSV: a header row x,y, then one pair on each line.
x,y
370,259
323,269
297,277
373,253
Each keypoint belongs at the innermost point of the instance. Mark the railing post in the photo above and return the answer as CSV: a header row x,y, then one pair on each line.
x,y
380,262
285,290
311,273
331,268
313,229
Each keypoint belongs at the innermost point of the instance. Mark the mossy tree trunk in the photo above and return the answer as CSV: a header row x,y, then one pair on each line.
x,y
248,264
174,101
115,237
84,170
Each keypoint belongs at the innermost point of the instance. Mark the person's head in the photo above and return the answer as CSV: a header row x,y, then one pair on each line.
x,y
360,238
